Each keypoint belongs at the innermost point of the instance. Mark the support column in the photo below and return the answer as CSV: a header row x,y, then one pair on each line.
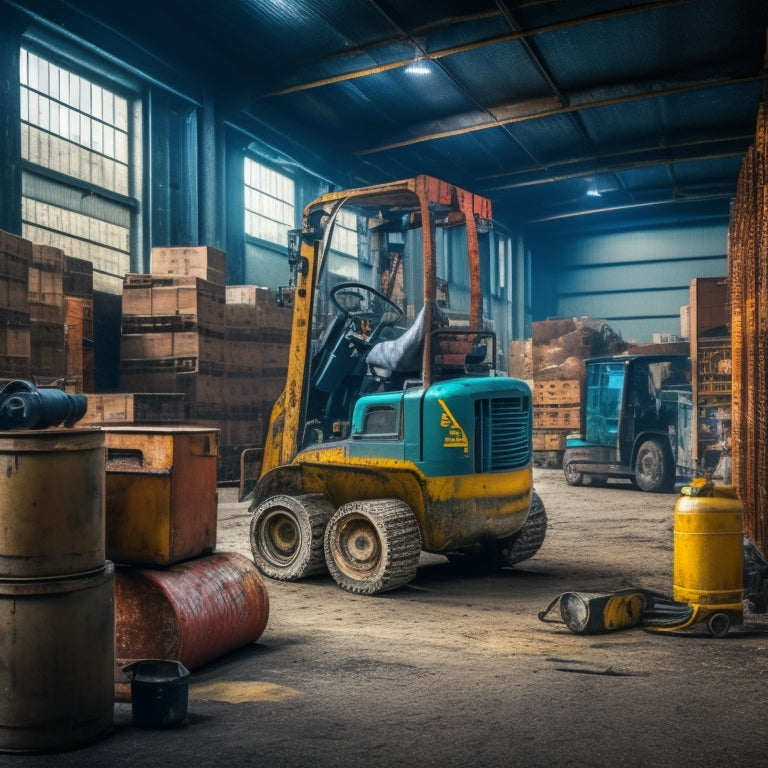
x,y
11,30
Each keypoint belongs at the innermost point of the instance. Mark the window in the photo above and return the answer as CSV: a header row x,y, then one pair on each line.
x,y
345,234
76,178
269,203
380,421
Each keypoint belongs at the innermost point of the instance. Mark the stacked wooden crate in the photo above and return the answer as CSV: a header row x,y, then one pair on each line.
x,y
556,414
46,315
142,408
173,328
552,361
78,323
224,349
15,350
256,363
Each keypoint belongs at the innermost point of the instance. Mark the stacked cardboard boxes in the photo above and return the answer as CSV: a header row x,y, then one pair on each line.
x,y
15,350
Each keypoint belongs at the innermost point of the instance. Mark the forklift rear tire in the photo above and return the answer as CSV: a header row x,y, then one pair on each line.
x,y
528,540
287,536
654,470
372,546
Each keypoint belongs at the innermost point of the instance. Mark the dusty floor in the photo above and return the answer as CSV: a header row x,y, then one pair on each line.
x,y
457,670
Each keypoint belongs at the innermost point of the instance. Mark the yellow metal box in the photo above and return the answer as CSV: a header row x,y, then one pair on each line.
x,y
160,493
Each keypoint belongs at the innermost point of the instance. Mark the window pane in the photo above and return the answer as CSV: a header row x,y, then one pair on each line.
x,y
78,129
269,203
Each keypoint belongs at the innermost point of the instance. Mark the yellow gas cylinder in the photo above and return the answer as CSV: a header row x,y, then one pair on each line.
x,y
709,551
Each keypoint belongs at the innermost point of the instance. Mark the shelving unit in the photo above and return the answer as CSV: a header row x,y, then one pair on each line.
x,y
711,355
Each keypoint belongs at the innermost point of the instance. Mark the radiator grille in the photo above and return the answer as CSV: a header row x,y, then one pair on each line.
x,y
503,433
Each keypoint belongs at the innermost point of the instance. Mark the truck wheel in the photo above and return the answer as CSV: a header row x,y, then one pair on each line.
x,y
372,546
287,535
528,540
654,470
572,476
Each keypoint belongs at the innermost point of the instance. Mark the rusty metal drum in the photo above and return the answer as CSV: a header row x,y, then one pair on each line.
x,y
57,656
51,503
193,612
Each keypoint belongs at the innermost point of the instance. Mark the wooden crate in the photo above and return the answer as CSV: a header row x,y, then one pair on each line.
x,y
557,392
134,408
46,275
183,344
148,300
201,261
14,283
78,278
555,416
550,439
48,349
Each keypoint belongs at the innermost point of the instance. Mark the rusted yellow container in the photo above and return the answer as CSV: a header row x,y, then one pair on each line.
x,y
161,498
51,503
709,550
57,653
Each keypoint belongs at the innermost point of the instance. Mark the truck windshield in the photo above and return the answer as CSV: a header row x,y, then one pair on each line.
x,y
605,385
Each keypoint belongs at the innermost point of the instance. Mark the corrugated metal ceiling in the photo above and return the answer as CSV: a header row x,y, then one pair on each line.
x,y
552,108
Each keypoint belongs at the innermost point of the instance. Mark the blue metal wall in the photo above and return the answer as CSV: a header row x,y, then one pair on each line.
x,y
635,280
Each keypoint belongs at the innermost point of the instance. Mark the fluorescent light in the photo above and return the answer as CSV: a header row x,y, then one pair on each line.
x,y
418,67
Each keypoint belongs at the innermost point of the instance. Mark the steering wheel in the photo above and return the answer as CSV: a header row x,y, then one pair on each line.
x,y
357,300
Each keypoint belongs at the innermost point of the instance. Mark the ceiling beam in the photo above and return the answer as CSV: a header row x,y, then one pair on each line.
x,y
452,50
563,110
617,168
595,168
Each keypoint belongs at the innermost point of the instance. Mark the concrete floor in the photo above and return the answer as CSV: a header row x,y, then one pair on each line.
x,y
457,670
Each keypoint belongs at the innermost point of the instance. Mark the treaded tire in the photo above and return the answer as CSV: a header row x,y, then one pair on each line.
x,y
372,546
654,469
287,535
528,540
572,476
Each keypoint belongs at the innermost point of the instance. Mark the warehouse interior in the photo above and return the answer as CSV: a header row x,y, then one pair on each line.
x,y
622,144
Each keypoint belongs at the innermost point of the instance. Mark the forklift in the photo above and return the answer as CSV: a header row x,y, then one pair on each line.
x,y
396,432
636,423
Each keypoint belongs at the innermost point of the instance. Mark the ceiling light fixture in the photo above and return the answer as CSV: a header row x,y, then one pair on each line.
x,y
419,66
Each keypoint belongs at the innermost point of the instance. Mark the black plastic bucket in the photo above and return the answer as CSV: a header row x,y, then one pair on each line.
x,y
159,692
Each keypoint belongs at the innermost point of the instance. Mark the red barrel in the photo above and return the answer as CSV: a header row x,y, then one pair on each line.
x,y
193,612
